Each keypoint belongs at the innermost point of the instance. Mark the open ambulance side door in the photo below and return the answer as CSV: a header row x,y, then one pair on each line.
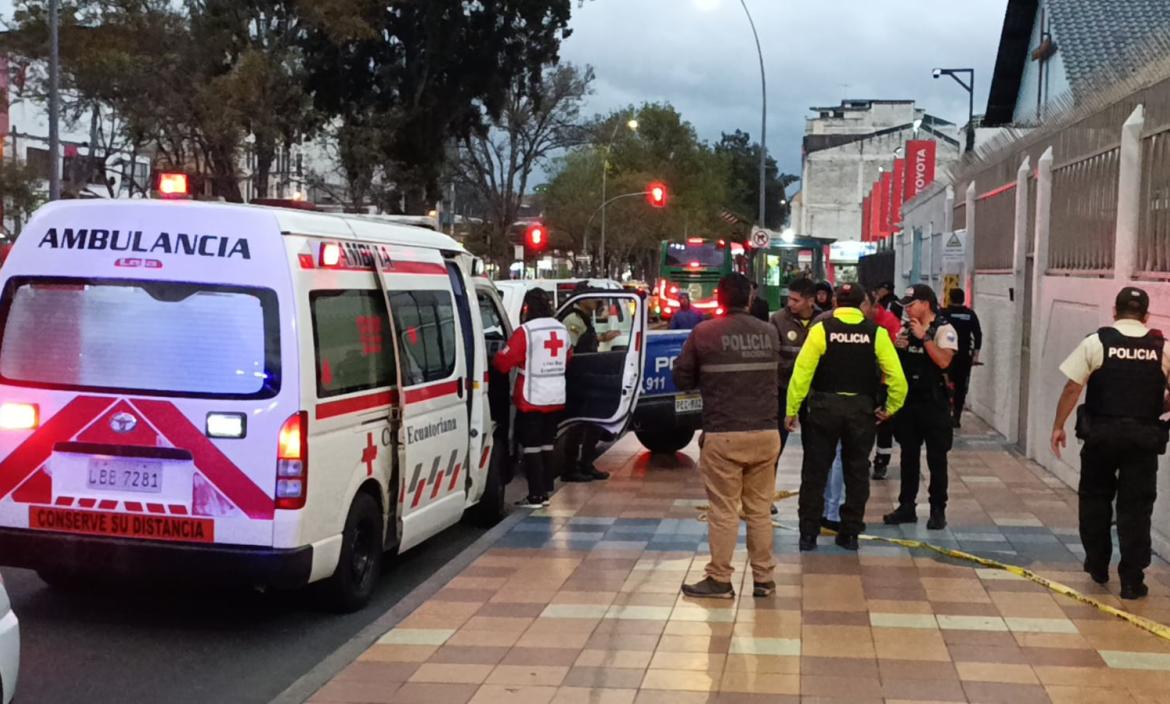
x,y
603,386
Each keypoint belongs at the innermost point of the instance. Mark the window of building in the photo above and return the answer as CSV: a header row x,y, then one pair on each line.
x,y
425,324
38,162
351,337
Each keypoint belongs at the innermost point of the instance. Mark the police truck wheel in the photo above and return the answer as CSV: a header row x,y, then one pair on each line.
x,y
492,508
360,564
665,441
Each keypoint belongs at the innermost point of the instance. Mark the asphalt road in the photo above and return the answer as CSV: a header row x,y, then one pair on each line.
x,y
144,643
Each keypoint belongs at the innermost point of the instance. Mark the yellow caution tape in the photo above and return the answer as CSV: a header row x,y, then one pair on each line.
x,y
1141,622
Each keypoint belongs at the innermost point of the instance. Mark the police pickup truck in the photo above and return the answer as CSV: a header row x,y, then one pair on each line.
x,y
665,419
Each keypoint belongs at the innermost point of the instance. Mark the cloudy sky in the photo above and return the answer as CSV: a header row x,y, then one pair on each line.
x,y
700,56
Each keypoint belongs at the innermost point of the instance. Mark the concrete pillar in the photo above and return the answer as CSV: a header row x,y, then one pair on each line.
x,y
1019,288
1039,418
1129,185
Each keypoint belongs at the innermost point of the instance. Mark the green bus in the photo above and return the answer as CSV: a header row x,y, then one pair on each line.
x,y
694,266
774,266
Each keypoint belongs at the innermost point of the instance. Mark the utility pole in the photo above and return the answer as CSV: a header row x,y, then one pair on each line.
x,y
54,101
763,118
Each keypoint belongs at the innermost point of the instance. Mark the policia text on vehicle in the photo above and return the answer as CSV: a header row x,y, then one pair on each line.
x,y
1125,367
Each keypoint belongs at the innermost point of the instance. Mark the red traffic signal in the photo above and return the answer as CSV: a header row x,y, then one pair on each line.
x,y
536,238
173,185
656,195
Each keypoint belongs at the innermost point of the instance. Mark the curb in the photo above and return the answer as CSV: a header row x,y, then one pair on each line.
x,y
308,684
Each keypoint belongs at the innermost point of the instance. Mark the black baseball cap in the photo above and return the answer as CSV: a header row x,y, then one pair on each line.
x,y
887,285
919,292
850,295
1133,300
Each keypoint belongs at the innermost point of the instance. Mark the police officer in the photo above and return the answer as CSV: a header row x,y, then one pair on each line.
x,y
840,361
966,324
926,347
1125,367
792,322
733,361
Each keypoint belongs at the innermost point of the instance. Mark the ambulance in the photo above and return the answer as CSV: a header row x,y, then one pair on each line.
x,y
267,395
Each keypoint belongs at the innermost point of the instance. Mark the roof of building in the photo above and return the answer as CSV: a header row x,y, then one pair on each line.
x,y
1100,41
930,127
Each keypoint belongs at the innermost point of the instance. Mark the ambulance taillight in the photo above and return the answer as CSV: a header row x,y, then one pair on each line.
x,y
19,416
330,254
292,462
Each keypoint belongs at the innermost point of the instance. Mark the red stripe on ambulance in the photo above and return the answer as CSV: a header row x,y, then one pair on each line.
x,y
219,470
32,453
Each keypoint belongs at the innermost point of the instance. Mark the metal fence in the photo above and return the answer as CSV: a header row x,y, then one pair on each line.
x,y
1084,214
1154,232
995,229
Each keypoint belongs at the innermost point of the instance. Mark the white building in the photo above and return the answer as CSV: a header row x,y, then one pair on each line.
x,y
845,148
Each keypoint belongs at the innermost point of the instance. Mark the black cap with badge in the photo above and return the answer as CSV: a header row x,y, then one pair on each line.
x,y
919,292
1132,300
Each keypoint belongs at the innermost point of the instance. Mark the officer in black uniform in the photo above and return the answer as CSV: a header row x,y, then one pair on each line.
x,y
966,324
926,347
1125,367
840,361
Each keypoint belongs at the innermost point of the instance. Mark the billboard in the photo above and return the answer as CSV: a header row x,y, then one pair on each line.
x,y
919,168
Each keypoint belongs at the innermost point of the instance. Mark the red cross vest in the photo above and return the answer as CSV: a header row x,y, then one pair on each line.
x,y
547,343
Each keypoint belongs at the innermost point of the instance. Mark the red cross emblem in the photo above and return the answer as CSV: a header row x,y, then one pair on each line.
x,y
554,344
369,454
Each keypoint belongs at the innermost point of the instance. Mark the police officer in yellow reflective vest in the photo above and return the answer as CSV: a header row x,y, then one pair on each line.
x,y
1125,367
842,361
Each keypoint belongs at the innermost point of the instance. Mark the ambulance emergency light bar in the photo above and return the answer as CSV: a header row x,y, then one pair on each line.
x,y
173,185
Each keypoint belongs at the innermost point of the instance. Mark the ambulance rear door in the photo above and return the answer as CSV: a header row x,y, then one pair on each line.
x,y
603,387
435,433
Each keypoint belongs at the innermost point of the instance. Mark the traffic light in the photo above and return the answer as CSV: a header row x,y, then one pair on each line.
x,y
656,195
536,238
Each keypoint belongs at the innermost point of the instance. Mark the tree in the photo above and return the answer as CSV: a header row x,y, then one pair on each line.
x,y
19,190
743,162
427,72
665,148
496,162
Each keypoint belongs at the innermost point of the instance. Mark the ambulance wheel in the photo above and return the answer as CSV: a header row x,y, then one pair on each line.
x,y
360,564
492,508
664,441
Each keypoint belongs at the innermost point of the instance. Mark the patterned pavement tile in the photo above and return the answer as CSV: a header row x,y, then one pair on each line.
x,y
580,604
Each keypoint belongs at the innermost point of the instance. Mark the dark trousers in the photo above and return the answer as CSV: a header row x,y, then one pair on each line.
x,y
581,445
831,419
537,435
924,422
1113,467
960,375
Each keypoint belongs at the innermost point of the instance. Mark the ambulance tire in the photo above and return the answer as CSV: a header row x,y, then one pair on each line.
x,y
492,507
360,563
665,442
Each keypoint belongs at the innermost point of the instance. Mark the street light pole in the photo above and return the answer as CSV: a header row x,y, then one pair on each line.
x,y
969,86
632,124
763,117
54,101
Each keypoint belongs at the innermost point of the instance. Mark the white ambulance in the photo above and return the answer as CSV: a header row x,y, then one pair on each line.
x,y
209,390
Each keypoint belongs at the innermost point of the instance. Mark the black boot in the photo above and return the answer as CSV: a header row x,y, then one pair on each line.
x,y
881,466
902,514
1134,589
938,519
808,542
549,459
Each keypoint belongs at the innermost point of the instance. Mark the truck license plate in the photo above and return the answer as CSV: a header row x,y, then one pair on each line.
x,y
688,404
143,476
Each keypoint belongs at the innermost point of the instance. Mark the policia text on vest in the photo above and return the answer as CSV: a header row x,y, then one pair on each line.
x,y
837,377
1124,369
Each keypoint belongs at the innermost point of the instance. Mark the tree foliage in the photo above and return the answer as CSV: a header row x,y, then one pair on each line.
x,y
743,163
496,162
664,148
427,72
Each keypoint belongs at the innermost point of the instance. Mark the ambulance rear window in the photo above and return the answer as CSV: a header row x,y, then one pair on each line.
x,y
160,338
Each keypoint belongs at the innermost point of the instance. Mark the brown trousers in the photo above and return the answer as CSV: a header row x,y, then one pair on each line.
x,y
739,469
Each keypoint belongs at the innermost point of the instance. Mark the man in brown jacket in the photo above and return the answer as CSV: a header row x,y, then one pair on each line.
x,y
733,361
792,322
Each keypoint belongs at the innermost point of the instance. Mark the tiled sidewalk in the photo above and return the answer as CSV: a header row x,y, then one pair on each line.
x,y
580,603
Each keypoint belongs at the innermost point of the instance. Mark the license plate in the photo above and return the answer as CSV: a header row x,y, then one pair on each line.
x,y
142,476
688,404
